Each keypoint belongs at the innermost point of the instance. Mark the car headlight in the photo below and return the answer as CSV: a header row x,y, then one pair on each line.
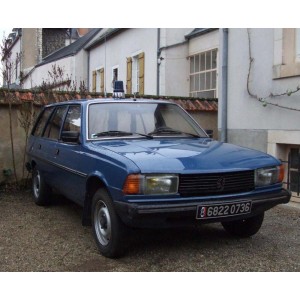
x,y
151,184
269,175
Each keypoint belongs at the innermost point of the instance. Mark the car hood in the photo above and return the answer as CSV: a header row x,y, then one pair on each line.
x,y
187,155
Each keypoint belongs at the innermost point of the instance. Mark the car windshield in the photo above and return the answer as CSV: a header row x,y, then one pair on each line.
x,y
107,120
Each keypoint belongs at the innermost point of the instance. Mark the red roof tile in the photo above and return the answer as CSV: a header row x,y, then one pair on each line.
x,y
41,99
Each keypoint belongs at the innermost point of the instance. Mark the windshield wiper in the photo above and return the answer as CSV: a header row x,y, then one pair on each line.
x,y
145,135
171,131
118,133
111,133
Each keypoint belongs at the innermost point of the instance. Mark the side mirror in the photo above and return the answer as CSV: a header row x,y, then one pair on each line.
x,y
70,137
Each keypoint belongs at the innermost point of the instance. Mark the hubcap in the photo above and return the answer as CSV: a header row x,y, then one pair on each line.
x,y
102,223
36,184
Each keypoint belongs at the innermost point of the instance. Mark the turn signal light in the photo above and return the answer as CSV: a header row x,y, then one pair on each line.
x,y
281,173
132,185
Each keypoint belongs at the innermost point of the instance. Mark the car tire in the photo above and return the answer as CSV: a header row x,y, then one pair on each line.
x,y
108,229
244,228
42,192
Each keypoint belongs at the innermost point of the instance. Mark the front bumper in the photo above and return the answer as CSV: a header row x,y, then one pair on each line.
x,y
184,213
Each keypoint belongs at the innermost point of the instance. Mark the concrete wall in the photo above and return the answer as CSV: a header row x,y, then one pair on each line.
x,y
15,54
40,74
174,77
5,142
80,64
250,138
173,68
126,44
205,42
30,47
207,120
248,120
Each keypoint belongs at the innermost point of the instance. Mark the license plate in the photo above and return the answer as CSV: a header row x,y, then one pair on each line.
x,y
222,210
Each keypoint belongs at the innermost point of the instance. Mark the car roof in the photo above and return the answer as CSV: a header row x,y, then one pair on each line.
x,y
107,100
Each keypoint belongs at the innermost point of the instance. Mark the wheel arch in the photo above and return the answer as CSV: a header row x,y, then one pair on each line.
x,y
93,184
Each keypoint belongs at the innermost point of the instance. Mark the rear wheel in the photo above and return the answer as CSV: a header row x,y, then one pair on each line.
x,y
41,190
109,231
244,228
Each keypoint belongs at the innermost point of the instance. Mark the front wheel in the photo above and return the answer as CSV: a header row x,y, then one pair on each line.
x,y
108,230
244,228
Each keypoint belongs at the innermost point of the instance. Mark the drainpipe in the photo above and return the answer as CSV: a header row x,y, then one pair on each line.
x,y
158,62
88,70
224,85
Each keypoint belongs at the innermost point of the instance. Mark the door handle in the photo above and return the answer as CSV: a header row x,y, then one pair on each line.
x,y
40,147
57,152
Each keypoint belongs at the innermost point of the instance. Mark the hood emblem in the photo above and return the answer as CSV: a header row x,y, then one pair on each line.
x,y
221,183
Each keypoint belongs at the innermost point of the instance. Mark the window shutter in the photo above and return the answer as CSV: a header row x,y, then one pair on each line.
x,y
141,73
102,80
129,76
94,81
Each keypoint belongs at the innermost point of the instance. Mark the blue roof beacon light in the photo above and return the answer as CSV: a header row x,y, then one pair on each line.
x,y
118,90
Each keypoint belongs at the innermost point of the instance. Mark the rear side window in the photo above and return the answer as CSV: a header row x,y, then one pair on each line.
x,y
73,119
53,127
40,125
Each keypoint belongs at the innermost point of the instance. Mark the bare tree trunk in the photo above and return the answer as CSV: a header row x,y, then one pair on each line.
x,y
24,157
12,138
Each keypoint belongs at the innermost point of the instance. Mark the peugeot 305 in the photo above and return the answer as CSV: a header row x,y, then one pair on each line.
x,y
147,163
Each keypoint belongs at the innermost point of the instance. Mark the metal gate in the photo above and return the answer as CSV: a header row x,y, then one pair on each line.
x,y
293,172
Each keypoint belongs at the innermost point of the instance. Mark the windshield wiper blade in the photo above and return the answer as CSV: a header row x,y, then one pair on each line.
x,y
111,133
145,135
164,130
119,133
171,131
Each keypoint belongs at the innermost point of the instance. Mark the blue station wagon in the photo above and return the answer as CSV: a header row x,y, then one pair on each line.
x,y
147,163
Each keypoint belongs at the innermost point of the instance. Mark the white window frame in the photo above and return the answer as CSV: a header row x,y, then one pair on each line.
x,y
193,93
135,74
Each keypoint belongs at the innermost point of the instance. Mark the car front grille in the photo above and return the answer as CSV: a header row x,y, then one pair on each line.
x,y
216,183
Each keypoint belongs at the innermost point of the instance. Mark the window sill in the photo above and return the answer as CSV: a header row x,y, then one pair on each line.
x,y
284,71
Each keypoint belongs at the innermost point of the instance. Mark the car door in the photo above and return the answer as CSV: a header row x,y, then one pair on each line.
x,y
37,143
69,157
50,138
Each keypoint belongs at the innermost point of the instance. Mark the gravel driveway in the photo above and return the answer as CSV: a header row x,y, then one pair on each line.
x,y
51,238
